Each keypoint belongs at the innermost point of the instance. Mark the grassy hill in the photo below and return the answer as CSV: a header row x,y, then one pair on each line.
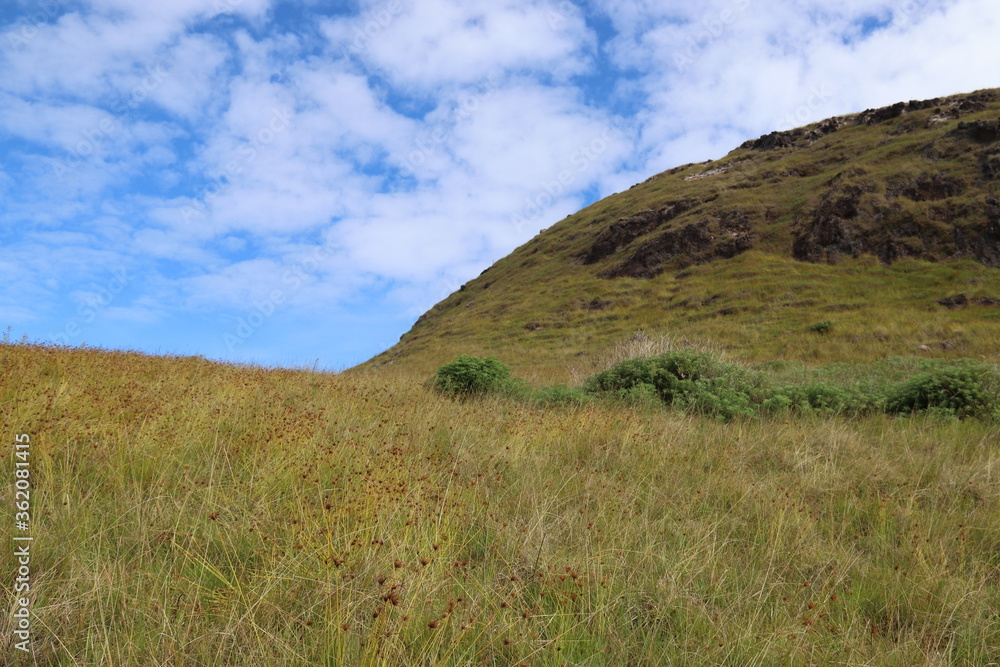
x,y
885,223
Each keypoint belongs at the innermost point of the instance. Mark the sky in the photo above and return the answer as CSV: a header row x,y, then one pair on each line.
x,y
294,183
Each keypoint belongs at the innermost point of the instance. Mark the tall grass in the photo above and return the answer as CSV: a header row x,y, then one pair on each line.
x,y
194,513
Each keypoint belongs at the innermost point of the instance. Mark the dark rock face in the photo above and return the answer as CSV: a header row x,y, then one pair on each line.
x,y
790,138
928,187
872,116
920,105
621,233
725,236
985,131
841,227
597,303
990,163
954,301
773,140
830,235
981,241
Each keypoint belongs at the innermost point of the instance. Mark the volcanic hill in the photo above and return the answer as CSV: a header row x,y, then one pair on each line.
x,y
855,238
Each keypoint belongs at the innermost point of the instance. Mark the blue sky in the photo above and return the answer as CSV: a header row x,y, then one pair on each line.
x,y
295,183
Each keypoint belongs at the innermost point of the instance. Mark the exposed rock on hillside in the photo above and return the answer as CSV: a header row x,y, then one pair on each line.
x,y
723,236
621,233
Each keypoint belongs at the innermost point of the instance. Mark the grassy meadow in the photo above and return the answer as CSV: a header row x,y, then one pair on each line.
x,y
188,513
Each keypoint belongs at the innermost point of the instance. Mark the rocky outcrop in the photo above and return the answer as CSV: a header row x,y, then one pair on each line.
x,y
927,187
622,232
796,137
872,116
989,161
981,241
724,236
985,131
842,225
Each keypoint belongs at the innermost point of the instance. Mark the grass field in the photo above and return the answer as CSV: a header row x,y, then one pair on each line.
x,y
186,512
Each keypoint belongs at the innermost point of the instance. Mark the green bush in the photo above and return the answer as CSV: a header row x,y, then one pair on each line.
x,y
817,398
823,327
965,390
470,376
685,380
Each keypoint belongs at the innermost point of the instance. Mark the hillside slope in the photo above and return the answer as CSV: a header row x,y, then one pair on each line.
x,y
884,225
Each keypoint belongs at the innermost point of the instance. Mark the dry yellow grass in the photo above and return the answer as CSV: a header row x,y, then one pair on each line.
x,y
193,513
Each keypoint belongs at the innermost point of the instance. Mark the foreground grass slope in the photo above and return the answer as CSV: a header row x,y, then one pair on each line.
x,y
193,513
886,223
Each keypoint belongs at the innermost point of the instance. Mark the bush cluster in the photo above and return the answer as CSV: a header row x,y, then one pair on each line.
x,y
968,389
684,380
703,384
469,376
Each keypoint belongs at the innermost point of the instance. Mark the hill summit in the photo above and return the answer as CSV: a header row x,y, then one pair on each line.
x,y
858,237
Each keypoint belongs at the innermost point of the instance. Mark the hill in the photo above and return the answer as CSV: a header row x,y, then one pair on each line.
x,y
884,226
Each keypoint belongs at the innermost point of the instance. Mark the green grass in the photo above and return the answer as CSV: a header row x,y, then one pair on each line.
x,y
193,513
701,383
754,307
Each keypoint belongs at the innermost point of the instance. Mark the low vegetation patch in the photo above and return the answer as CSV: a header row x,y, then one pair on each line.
x,y
469,376
702,383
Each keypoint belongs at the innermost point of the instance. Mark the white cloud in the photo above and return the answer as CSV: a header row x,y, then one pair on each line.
x,y
446,42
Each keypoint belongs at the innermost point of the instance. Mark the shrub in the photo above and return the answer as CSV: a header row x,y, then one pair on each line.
x,y
823,327
469,376
686,380
817,398
965,390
